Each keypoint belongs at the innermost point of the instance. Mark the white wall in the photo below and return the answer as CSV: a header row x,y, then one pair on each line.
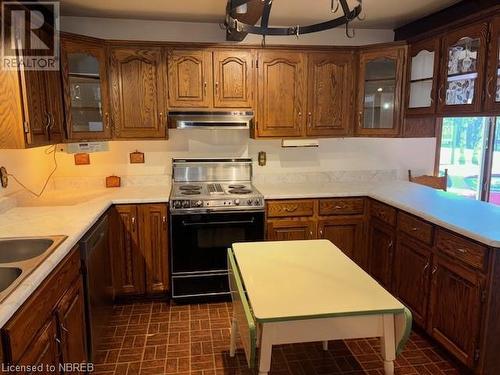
x,y
115,28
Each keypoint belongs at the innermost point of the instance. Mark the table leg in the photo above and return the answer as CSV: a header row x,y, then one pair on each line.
x,y
325,345
388,344
234,334
265,350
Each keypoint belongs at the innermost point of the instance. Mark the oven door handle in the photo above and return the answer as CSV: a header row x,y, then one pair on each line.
x,y
230,222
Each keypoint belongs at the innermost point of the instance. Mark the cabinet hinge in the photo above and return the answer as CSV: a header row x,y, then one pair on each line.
x,y
26,127
477,353
484,295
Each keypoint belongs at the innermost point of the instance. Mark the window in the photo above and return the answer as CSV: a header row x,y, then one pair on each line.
x,y
470,151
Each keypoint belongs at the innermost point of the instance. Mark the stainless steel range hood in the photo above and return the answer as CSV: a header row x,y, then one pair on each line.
x,y
211,119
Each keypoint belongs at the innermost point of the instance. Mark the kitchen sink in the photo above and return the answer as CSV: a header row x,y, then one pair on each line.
x,y
21,256
16,250
7,276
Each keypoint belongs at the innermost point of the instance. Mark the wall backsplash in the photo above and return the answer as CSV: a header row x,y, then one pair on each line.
x,y
342,154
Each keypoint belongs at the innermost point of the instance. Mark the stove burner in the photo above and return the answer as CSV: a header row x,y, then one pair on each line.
x,y
191,192
240,191
190,187
236,186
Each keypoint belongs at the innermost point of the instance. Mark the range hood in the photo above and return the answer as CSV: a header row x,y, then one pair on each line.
x,y
210,119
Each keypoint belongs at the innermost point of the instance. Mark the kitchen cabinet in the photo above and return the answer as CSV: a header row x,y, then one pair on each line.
x,y
190,78
492,101
86,88
287,230
234,79
154,242
380,85
139,243
462,70
347,233
281,94
137,92
49,328
455,309
381,251
42,351
423,71
71,323
412,266
330,94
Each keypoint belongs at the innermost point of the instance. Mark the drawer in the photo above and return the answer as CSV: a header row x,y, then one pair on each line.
x,y
342,206
415,228
467,251
383,212
36,311
290,208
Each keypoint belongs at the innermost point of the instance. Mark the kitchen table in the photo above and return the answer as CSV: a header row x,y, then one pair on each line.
x,y
303,291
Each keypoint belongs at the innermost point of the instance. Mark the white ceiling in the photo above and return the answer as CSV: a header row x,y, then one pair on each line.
x,y
379,13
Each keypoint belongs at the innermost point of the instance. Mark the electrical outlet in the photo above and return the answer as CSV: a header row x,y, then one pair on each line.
x,y
4,178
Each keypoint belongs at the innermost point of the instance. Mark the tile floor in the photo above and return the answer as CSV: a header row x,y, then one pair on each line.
x,y
160,338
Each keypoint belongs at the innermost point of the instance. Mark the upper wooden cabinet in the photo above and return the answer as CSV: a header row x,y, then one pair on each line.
x,y
233,79
137,92
190,78
380,85
86,89
330,94
423,71
492,101
462,68
281,94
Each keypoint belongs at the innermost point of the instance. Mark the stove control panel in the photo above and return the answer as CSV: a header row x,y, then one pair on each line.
x,y
216,203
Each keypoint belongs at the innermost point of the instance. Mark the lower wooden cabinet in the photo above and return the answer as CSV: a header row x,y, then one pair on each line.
x,y
455,309
286,230
49,328
347,233
381,251
139,243
412,266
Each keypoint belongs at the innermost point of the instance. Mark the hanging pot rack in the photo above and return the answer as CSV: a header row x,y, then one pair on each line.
x,y
233,24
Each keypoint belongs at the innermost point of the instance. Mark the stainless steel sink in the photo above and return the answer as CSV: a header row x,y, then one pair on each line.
x,y
21,256
16,250
7,276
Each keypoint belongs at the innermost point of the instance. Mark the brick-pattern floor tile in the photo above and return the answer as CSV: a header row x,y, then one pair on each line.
x,y
154,338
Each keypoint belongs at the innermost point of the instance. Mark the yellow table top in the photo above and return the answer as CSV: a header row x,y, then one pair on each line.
x,y
287,280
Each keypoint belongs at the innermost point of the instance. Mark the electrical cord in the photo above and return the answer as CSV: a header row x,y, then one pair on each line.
x,y
49,150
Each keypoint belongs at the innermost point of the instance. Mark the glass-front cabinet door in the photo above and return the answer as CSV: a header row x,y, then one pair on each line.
x,y
462,79
492,102
380,89
85,90
422,74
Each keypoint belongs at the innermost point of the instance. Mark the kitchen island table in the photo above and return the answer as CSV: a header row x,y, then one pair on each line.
x,y
288,292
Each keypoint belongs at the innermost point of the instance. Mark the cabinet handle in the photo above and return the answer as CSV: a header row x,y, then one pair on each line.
x,y
106,119
414,229
164,220
161,120
389,246
58,341
461,250
321,233
338,207
290,209
488,87
426,266
217,88
311,234
360,124
309,119
133,223
440,94
205,88
434,269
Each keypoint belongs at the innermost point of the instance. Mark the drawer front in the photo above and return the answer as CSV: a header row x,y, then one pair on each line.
x,y
35,312
415,228
463,249
383,212
290,208
342,206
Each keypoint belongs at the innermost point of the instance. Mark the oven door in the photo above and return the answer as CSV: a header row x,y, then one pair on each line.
x,y
199,244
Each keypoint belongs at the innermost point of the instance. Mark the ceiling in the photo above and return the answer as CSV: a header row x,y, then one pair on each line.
x,y
379,13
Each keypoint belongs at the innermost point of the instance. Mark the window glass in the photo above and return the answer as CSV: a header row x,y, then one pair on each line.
x,y
495,168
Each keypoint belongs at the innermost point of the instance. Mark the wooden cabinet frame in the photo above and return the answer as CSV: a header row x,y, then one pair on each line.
x,y
490,103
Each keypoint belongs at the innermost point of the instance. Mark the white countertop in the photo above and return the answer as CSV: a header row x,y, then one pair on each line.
x,y
477,220
73,212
